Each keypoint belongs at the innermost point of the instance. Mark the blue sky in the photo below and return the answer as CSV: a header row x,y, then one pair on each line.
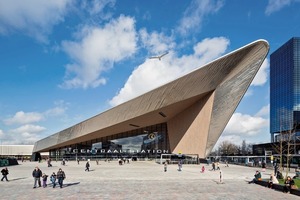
x,y
64,61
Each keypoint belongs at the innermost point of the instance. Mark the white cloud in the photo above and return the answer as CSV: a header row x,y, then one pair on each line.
x,y
156,42
25,134
32,17
262,74
24,118
98,49
194,14
28,128
95,7
252,129
276,5
245,125
59,109
264,111
153,73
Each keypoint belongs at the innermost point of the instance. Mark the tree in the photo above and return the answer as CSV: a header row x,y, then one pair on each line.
x,y
228,148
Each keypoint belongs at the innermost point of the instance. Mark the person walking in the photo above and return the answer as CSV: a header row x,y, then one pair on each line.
x,y
53,179
60,176
87,166
37,173
165,167
4,174
179,165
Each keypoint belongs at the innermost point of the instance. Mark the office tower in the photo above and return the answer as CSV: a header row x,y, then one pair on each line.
x,y
285,89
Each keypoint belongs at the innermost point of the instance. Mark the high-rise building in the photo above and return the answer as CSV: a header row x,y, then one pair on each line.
x,y
285,89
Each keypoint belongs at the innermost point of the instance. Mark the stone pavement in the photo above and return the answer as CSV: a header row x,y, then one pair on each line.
x,y
138,180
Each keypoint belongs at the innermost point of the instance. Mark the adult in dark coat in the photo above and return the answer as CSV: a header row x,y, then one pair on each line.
x,y
87,166
4,174
37,174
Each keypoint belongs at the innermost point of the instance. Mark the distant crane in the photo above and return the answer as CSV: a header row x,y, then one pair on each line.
x,y
159,57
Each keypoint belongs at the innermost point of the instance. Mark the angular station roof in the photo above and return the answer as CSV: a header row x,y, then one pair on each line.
x,y
215,90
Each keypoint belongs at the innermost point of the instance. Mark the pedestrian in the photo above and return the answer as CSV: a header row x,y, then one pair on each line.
x,y
179,166
4,174
60,176
44,178
221,176
226,163
87,166
203,169
97,161
213,166
218,166
37,174
78,161
263,166
49,162
165,166
53,179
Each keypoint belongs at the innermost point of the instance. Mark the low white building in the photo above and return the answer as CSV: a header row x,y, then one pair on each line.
x,y
18,151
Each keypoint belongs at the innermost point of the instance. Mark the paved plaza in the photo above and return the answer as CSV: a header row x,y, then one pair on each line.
x,y
138,180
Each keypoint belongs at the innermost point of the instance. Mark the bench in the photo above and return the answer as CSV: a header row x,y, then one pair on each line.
x,y
278,187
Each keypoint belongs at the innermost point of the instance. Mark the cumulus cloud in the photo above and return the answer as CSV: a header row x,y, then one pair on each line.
x,y
29,128
156,42
97,50
194,14
262,74
24,118
247,125
32,17
153,73
276,5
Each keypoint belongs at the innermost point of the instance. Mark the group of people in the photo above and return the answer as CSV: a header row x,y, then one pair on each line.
x,y
37,175
289,183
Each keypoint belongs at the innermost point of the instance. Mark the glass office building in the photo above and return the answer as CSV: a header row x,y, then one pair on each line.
x,y
285,89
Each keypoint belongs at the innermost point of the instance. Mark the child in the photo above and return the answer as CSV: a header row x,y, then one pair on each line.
x,y
44,177
203,169
53,179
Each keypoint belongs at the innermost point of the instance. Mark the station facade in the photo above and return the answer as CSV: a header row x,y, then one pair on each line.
x,y
183,117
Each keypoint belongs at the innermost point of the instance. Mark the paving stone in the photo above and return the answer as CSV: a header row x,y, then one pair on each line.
x,y
138,180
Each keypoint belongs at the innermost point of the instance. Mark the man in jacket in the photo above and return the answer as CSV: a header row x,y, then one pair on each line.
x,y
60,176
37,174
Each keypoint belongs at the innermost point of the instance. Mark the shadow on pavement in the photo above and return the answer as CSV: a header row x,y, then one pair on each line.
x,y
70,184
15,179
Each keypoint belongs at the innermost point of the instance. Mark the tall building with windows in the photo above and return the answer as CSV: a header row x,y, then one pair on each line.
x,y
285,89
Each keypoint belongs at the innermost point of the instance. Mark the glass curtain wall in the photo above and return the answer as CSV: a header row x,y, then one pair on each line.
x,y
144,143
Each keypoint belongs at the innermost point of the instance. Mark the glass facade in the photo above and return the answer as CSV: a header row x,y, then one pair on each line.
x,y
148,142
285,88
